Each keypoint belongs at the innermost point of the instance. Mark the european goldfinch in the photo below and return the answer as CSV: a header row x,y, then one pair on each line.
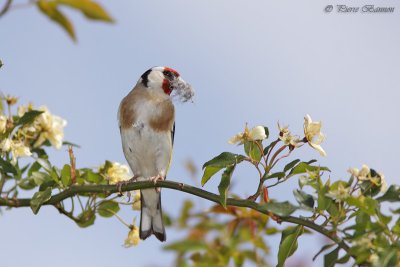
x,y
147,125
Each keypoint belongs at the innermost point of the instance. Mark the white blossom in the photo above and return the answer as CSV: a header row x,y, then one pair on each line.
x,y
133,237
287,138
117,173
341,193
5,145
50,127
313,134
136,201
3,124
255,134
365,175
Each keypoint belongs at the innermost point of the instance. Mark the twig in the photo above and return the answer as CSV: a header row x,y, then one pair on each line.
x,y
271,162
273,144
281,157
2,182
5,8
64,212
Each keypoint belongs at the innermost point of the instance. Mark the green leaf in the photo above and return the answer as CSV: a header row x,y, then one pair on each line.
x,y
187,245
55,174
34,168
92,177
208,173
224,160
28,117
343,259
322,250
396,227
224,184
221,161
366,204
66,175
108,208
281,208
27,184
288,244
238,259
1,100
266,132
291,165
391,195
8,167
385,219
267,148
66,143
303,198
46,184
271,231
185,213
278,175
253,150
90,9
40,177
23,169
86,218
388,258
331,257
39,198
303,167
311,161
45,164
323,201
51,11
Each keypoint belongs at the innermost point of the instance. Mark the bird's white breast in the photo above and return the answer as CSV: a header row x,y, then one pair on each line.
x,y
147,151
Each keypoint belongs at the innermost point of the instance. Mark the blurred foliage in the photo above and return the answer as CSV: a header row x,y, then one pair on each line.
x,y
53,9
221,237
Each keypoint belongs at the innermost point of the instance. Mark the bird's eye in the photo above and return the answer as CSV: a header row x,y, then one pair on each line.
x,y
168,74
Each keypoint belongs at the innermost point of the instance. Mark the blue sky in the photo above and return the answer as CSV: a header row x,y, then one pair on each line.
x,y
249,61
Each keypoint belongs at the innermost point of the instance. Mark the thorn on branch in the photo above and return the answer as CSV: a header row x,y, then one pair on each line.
x,y
275,217
124,183
252,198
181,185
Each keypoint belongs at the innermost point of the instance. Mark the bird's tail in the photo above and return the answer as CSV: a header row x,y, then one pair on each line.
x,y
151,219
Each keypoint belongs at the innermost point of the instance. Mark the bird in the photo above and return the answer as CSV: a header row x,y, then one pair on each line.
x,y
147,126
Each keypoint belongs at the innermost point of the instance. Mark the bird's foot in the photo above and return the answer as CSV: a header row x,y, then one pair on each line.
x,y
124,183
157,178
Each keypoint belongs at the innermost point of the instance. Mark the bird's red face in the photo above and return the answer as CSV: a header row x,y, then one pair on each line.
x,y
170,75
164,80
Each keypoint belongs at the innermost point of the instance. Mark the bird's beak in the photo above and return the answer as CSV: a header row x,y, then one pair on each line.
x,y
183,89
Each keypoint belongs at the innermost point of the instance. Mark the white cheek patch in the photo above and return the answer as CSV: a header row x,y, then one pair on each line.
x,y
182,89
156,79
